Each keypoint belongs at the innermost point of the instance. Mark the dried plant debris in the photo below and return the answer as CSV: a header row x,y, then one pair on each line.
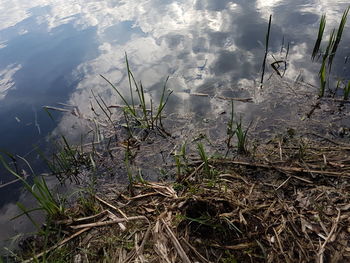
x,y
284,203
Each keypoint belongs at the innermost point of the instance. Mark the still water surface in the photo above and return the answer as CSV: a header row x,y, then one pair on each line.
x,y
54,51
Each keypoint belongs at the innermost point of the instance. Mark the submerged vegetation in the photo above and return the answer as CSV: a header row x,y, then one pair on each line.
x,y
285,200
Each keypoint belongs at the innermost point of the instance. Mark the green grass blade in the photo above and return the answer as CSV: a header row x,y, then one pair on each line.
x,y
319,37
9,169
204,157
347,91
130,86
267,40
131,109
163,100
322,79
339,36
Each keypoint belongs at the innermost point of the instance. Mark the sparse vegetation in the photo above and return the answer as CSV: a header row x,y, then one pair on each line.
x,y
286,203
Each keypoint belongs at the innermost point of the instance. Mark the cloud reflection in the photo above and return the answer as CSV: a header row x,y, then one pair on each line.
x,y
207,46
6,79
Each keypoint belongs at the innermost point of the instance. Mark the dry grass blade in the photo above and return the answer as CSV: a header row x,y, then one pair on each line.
x,y
160,242
176,243
110,222
203,259
322,248
110,206
74,220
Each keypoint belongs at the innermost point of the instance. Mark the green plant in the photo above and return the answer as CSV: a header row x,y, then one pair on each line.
x,y
230,130
238,131
204,158
323,80
144,117
267,39
178,163
331,49
181,161
339,36
129,172
67,161
40,191
347,91
241,137
319,37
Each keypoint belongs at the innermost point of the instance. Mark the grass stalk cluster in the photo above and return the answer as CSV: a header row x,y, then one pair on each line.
x,y
146,117
330,51
40,191
236,128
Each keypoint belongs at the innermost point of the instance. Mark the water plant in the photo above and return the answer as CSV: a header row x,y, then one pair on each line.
x,y
319,36
331,49
146,117
181,161
67,161
267,39
203,155
40,191
230,129
347,91
178,163
235,128
339,36
241,137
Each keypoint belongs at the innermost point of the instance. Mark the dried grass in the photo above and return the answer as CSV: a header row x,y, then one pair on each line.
x,y
272,207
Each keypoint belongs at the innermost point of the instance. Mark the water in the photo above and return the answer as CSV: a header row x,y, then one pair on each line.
x,y
53,52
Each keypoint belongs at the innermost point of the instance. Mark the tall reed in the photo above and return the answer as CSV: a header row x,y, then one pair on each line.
x,y
319,36
267,39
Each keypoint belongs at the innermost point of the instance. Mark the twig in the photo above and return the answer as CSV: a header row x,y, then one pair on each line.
x,y
110,206
242,246
73,220
203,259
282,184
193,173
110,222
322,248
176,243
280,245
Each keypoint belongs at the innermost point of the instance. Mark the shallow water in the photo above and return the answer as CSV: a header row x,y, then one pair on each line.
x,y
54,51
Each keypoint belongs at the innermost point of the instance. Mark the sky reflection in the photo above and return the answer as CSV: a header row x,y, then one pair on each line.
x,y
54,51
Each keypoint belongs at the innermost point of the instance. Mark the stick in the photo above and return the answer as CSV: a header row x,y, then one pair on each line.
x,y
110,222
203,259
176,243
110,206
322,248
193,173
72,220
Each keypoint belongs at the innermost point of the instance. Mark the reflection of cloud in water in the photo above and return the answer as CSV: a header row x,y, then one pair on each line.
x,y
6,79
178,38
195,42
19,226
3,45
